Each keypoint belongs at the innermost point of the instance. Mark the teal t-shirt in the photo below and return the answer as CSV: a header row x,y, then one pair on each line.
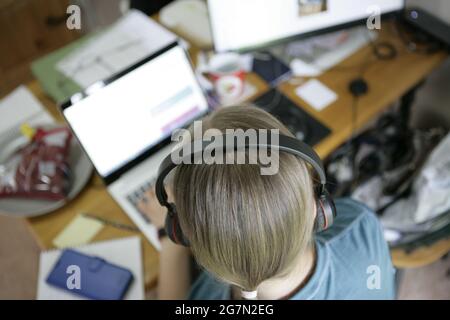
x,y
352,261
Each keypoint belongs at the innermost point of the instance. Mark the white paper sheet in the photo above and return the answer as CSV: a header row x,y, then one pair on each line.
x,y
19,107
132,38
316,94
122,252
302,69
335,52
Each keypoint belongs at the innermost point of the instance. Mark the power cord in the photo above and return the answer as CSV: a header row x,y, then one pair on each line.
x,y
359,87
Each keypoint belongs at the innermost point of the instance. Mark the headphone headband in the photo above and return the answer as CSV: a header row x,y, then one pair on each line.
x,y
285,143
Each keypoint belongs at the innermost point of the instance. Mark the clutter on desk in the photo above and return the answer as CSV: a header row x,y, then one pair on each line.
x,y
39,177
223,76
40,169
227,75
80,231
100,55
311,57
399,172
125,253
34,163
41,166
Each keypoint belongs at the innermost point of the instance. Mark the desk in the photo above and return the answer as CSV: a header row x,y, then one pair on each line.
x,y
388,81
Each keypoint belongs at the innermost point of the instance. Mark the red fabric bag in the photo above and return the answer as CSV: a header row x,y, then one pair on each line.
x,y
40,170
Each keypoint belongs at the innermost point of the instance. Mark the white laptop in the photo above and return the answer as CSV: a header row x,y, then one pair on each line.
x,y
125,124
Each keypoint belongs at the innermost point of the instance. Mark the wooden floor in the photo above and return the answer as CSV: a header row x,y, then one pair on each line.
x,y
19,257
427,283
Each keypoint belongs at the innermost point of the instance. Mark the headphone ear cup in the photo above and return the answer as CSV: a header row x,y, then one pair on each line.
x,y
325,213
173,229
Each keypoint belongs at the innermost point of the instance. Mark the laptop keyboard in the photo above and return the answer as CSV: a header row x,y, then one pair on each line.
x,y
136,196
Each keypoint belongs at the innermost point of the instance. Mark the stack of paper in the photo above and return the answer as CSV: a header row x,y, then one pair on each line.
x,y
132,38
311,64
20,107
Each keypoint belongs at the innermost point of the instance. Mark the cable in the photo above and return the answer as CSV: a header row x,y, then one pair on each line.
x,y
382,50
359,87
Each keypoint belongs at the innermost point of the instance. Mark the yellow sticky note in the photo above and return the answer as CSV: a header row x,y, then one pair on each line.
x,y
27,131
79,231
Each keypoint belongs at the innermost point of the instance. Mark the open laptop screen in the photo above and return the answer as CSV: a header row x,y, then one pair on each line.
x,y
127,117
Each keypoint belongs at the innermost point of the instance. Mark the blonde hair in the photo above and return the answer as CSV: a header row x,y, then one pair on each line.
x,y
244,227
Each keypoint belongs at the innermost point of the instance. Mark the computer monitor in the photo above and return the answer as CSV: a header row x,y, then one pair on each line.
x,y
242,25
129,116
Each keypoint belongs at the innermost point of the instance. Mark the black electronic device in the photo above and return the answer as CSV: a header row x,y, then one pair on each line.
x,y
270,68
358,87
301,124
429,24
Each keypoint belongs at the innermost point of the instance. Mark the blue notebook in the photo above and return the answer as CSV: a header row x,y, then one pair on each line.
x,y
90,276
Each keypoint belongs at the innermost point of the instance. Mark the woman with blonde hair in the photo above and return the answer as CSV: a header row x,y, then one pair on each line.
x,y
253,234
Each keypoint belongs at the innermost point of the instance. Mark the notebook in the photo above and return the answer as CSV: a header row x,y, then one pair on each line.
x,y
126,252
99,55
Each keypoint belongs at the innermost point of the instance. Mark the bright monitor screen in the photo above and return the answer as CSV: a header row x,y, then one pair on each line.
x,y
119,122
244,24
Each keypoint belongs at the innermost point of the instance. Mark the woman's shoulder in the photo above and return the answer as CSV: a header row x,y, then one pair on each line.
x,y
356,239
351,217
352,249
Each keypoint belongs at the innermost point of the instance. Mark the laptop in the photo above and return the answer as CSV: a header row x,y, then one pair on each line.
x,y
124,124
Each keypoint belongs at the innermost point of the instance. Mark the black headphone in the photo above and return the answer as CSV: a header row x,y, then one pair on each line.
x,y
326,211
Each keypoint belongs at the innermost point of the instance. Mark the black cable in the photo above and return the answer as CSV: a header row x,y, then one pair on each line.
x,y
381,50
354,116
359,87
384,50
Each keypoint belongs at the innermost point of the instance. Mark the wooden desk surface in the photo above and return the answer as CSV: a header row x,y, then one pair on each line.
x,y
388,80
